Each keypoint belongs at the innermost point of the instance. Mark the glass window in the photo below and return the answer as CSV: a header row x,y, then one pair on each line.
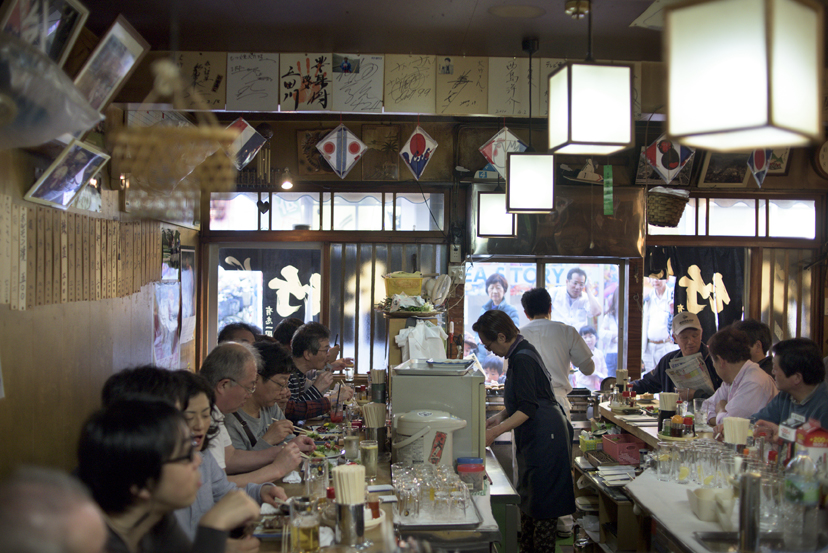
x,y
732,217
419,212
792,218
656,321
358,211
686,226
295,209
234,211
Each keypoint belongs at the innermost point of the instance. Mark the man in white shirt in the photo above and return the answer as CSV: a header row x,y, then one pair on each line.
x,y
574,304
557,343
232,369
656,341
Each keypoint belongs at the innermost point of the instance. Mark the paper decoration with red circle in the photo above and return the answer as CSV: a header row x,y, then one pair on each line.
x,y
668,158
341,149
758,163
498,146
417,151
247,143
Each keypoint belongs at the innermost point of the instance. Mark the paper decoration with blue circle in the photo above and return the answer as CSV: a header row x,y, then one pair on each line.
x,y
498,146
668,157
417,151
247,143
758,163
341,149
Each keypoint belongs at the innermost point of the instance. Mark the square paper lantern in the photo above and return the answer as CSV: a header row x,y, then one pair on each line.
x,y
493,221
590,109
341,149
530,184
744,74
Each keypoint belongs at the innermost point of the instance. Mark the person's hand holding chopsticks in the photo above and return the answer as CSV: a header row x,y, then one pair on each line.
x,y
304,443
278,431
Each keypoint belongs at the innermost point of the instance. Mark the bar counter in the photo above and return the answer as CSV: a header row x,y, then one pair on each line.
x,y
646,430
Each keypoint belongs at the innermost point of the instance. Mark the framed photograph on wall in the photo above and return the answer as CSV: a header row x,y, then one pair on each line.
x,y
51,25
779,162
722,170
111,63
64,179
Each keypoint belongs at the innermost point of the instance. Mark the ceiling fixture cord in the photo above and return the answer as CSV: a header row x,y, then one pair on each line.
x,y
530,46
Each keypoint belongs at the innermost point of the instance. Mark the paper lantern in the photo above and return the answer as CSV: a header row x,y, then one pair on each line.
x,y
744,74
492,219
590,109
530,184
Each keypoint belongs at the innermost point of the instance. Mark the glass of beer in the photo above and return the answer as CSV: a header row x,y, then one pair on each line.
x,y
369,453
304,525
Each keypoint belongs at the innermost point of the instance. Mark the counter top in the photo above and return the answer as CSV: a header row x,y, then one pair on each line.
x,y
647,433
501,489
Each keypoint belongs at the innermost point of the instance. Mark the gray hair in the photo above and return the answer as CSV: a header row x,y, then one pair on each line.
x,y
34,508
227,360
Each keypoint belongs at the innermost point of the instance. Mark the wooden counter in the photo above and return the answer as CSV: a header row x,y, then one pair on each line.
x,y
647,433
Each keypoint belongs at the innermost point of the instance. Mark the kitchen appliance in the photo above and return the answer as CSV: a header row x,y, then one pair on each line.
x,y
461,391
425,436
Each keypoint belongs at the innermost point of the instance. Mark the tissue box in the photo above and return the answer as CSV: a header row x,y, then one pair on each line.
x,y
623,448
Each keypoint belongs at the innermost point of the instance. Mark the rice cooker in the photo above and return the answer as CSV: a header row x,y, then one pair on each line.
x,y
425,436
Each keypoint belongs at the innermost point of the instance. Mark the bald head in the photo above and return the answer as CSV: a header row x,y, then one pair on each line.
x,y
45,511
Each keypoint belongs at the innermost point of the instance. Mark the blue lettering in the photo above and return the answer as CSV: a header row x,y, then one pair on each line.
x,y
530,271
515,274
557,272
480,275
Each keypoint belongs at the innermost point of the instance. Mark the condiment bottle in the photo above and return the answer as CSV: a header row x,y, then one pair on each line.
x,y
681,409
632,398
625,399
689,431
666,427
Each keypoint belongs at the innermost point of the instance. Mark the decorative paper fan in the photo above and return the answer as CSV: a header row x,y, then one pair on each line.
x,y
498,146
758,163
341,149
417,151
668,157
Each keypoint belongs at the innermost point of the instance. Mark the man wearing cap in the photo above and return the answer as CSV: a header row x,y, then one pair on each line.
x,y
687,332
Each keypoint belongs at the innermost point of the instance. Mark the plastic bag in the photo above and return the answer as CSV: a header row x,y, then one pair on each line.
x,y
38,101
424,341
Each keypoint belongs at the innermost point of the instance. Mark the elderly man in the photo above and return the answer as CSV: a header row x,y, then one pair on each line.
x,y
47,511
800,377
557,343
745,388
760,342
237,332
687,333
574,304
655,328
309,347
232,370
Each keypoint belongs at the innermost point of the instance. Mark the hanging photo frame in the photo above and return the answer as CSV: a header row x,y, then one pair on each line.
x,y
51,25
724,170
64,179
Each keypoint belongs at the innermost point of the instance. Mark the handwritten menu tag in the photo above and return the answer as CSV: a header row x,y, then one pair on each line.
x,y
56,250
547,67
70,256
252,82
31,257
5,249
47,255
509,86
40,259
410,84
305,82
112,244
14,250
357,83
206,73
64,259
137,256
97,259
79,259
462,85
87,255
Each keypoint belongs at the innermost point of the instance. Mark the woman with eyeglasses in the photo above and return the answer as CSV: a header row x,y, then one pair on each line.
x,y
543,436
261,423
198,406
139,461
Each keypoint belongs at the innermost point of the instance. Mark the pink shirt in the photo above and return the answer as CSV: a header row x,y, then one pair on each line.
x,y
751,390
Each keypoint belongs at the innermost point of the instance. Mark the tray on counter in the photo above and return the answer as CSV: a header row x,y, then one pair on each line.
x,y
472,520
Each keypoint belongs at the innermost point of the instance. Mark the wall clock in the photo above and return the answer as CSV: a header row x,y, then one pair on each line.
x,y
820,160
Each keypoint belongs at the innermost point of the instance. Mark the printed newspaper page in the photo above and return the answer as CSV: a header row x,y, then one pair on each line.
x,y
690,372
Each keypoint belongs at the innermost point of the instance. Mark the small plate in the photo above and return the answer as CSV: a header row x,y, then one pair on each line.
x,y
373,522
263,533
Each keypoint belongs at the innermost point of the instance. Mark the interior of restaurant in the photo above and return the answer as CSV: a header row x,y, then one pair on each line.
x,y
258,253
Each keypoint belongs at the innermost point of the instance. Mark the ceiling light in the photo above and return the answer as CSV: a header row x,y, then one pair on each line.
x,y
590,106
744,74
286,182
577,9
492,219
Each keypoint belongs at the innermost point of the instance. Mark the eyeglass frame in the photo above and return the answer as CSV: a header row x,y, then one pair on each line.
x,y
281,386
239,384
189,457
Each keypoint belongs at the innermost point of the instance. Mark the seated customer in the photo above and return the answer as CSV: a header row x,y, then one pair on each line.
x,y
687,333
760,339
138,460
238,332
800,377
260,423
745,388
147,380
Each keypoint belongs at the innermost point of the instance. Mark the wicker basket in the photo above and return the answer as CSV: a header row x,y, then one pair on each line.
x,y
665,210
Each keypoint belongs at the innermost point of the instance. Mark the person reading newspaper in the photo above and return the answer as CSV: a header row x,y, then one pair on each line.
x,y
690,363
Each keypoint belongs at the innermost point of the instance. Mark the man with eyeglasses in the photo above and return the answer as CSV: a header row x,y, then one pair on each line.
x,y
232,369
574,304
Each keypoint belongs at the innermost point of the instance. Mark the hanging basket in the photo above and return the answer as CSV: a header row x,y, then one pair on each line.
x,y
665,209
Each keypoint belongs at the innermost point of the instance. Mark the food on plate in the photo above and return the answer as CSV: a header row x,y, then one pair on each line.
x,y
326,449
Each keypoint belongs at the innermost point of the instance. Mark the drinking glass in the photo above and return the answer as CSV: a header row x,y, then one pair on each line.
x,y
697,411
770,502
665,461
707,466
316,477
408,500
441,504
352,443
304,526
369,453
685,464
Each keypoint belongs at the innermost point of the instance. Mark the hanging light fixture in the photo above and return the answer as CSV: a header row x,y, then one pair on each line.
x,y
493,221
744,74
530,176
590,106
286,182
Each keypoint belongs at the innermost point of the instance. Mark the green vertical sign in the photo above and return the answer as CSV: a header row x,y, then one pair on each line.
x,y
607,189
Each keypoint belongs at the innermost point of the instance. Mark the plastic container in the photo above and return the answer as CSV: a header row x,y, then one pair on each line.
x,y
585,444
623,448
473,476
408,286
468,461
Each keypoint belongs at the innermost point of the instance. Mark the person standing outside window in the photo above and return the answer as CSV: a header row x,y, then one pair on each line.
x,y
496,288
656,341
573,303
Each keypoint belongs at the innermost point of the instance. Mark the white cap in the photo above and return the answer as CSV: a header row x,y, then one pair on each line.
x,y
684,320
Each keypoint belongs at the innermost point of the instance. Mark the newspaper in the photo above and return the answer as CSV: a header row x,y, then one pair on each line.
x,y
690,372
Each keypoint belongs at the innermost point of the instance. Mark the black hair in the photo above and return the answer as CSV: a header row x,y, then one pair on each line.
x,y
497,278
283,333
800,355
536,302
195,384
145,381
757,331
229,331
124,446
576,271
275,360
494,322
730,344
587,330
493,362
306,338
